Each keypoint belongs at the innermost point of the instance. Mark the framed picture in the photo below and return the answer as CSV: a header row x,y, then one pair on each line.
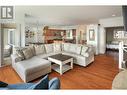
x,y
91,35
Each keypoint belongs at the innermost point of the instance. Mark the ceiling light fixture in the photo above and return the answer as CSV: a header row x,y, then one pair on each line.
x,y
113,15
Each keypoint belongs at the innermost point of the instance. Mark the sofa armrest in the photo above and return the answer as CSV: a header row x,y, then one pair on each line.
x,y
15,58
54,84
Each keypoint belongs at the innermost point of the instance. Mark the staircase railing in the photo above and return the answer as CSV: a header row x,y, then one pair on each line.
x,y
122,50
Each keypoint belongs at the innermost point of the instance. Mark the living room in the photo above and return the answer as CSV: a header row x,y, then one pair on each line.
x,y
67,42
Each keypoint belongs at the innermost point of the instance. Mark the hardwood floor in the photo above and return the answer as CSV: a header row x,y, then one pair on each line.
x,y
113,53
98,75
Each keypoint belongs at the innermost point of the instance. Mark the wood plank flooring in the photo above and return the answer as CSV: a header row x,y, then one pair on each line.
x,y
98,75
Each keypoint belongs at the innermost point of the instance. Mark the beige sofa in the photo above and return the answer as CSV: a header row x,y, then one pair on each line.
x,y
82,54
37,64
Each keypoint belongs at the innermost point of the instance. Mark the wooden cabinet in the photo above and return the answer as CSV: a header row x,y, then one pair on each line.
x,y
52,34
59,36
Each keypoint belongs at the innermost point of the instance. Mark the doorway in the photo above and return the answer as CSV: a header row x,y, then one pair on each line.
x,y
7,42
113,36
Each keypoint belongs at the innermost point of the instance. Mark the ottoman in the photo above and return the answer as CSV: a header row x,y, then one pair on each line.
x,y
32,68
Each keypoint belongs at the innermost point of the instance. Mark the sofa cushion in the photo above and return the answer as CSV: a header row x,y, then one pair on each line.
x,y
32,50
42,84
27,53
75,55
78,59
49,48
84,50
19,52
72,48
39,49
79,49
57,47
66,47
75,48
33,65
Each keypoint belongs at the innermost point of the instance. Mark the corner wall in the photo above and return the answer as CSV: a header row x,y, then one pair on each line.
x,y
102,40
20,27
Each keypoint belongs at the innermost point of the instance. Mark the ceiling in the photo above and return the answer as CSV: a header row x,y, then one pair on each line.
x,y
68,15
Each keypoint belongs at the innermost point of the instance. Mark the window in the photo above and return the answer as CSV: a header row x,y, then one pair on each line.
x,y
118,34
11,36
69,34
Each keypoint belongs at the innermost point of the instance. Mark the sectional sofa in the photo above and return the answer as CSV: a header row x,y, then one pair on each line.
x,y
31,62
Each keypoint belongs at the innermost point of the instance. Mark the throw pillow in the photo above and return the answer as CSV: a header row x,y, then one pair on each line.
x,y
39,49
42,84
57,47
27,53
20,54
78,49
84,50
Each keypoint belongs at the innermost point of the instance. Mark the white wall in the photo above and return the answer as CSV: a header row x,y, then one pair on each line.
x,y
20,27
111,22
95,43
102,40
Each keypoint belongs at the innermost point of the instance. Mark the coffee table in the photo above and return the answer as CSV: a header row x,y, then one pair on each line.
x,y
61,63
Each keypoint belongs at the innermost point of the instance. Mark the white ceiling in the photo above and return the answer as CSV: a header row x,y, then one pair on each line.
x,y
68,15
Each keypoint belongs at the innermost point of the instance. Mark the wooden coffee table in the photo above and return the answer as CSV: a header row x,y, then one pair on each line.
x,y
61,63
